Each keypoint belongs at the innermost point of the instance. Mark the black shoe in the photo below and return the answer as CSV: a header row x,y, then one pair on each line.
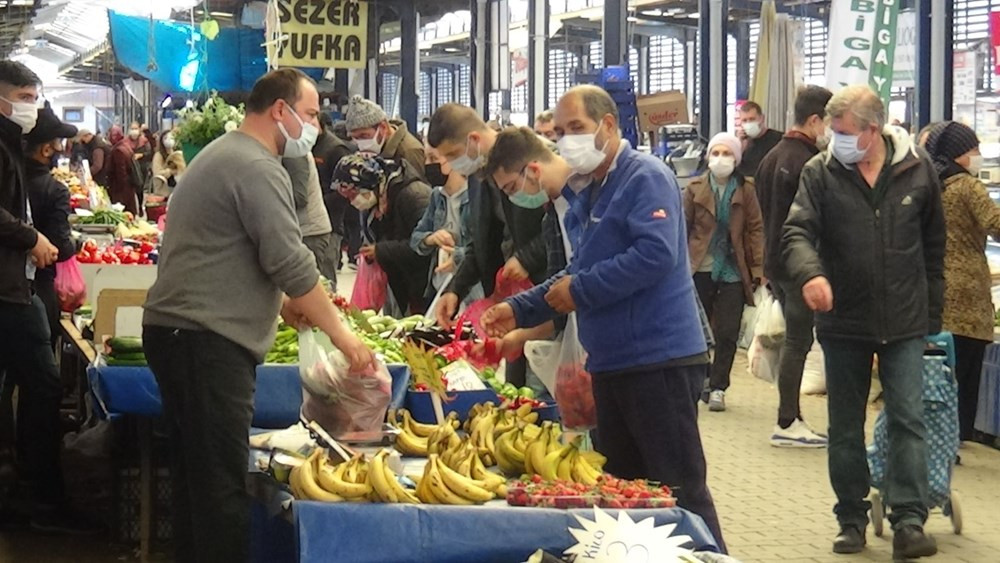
x,y
849,540
910,542
63,520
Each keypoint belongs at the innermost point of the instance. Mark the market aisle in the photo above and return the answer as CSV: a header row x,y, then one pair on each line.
x,y
776,504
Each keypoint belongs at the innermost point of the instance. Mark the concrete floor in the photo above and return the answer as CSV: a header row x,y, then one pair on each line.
x,y
775,504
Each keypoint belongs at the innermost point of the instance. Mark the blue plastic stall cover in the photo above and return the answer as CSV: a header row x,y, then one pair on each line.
x,y
446,534
235,58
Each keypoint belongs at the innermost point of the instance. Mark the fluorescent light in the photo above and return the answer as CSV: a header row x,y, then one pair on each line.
x,y
168,101
694,15
653,13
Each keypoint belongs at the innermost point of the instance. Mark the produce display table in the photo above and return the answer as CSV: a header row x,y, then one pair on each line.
x,y
400,533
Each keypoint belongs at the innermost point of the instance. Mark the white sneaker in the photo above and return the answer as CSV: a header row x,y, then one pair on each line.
x,y
717,400
798,435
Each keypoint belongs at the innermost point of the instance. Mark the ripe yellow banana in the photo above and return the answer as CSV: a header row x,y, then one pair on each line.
x,y
565,469
514,451
376,474
523,410
493,481
404,495
550,466
452,419
594,458
504,449
333,481
438,487
418,429
530,418
308,485
410,445
475,491
583,472
534,455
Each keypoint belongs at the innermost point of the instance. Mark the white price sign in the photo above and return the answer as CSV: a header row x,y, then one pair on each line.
x,y
622,540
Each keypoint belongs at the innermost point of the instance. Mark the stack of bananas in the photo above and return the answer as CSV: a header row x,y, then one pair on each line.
x,y
441,484
467,459
356,480
486,423
414,438
567,463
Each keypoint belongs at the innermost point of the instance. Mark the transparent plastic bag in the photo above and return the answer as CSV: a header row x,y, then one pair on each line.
x,y
348,405
502,289
370,287
573,390
543,359
770,325
69,285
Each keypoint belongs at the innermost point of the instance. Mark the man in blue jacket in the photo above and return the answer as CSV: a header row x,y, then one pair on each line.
x,y
630,285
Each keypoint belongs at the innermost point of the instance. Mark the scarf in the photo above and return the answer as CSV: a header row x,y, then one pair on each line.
x,y
723,260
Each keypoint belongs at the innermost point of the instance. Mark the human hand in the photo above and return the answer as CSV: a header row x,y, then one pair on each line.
x,y
447,266
447,306
137,156
818,294
513,270
559,296
368,252
360,355
499,320
442,239
293,315
44,253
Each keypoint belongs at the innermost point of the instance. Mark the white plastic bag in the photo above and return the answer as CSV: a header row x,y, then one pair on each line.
x,y
574,392
749,320
543,359
814,374
346,404
770,325
763,361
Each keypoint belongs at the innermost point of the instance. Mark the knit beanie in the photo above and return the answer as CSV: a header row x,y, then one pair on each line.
x,y
729,141
948,141
362,114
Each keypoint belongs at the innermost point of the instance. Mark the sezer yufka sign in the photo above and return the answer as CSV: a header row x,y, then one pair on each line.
x,y
323,33
862,44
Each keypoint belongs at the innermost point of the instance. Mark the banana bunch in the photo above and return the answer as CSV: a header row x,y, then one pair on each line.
x,y
415,438
355,480
512,445
385,486
466,459
569,464
486,423
304,480
441,484
348,480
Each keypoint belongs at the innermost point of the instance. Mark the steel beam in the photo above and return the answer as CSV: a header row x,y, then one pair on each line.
x,y
409,23
712,40
615,32
538,60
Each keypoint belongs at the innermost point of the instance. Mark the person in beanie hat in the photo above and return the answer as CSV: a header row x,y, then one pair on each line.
x,y
726,247
372,130
970,215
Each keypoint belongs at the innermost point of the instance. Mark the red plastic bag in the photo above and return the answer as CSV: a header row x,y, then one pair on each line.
x,y
70,287
370,286
348,405
502,289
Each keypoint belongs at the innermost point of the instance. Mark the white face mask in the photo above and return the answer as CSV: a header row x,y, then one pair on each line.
x,y
133,133
823,140
24,114
846,149
722,166
297,148
466,165
364,201
373,145
752,129
581,152
975,164
168,143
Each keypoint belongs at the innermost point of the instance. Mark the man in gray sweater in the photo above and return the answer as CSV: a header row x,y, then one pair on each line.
x,y
232,258
314,221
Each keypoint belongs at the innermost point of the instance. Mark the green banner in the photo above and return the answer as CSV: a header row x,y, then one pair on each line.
x,y
883,49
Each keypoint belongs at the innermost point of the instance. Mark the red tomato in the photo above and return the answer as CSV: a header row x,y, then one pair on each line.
x,y
146,247
90,245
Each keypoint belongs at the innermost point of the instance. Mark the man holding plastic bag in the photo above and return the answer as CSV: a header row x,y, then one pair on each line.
x,y
630,285
232,259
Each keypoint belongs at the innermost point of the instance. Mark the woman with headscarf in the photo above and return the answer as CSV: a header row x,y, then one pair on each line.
x,y
391,198
121,171
970,215
726,247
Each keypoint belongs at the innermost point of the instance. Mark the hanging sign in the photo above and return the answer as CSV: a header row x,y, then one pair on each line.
x,y
905,63
995,40
862,44
519,67
323,33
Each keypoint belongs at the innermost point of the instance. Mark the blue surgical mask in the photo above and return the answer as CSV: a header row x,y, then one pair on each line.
x,y
465,164
528,201
845,148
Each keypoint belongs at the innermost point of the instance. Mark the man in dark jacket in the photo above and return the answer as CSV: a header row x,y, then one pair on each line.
x,y
98,153
121,176
865,238
49,202
777,182
758,138
25,350
328,151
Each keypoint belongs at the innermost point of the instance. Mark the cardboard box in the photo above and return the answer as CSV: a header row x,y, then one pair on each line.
x,y
119,313
664,108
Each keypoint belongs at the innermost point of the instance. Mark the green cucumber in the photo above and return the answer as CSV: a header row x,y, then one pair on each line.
x,y
125,344
126,363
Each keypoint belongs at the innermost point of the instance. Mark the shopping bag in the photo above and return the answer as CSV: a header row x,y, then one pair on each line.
x,y
70,288
348,405
763,361
502,289
814,372
370,287
574,393
543,359
749,319
770,325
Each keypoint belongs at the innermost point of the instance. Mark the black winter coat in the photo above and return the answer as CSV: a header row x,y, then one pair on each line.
x,y
49,211
484,254
884,260
777,181
17,237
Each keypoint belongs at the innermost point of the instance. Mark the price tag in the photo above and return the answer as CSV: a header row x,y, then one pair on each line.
x,y
607,539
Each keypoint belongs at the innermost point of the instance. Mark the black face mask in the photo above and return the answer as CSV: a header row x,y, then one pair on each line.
x,y
434,175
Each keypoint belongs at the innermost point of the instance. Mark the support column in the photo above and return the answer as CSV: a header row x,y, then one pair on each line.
x,y
409,67
935,61
614,32
479,71
370,77
538,60
341,82
743,61
712,41
643,86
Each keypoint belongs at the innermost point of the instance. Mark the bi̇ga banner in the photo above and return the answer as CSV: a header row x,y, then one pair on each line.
x,y
862,43
323,33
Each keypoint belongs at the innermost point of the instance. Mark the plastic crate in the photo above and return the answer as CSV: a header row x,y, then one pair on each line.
x,y
128,505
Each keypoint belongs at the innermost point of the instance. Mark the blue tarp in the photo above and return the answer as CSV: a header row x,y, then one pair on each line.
x,y
235,58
